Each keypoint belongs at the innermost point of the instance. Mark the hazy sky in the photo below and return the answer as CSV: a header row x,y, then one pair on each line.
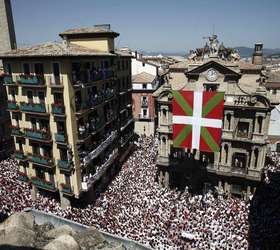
x,y
153,25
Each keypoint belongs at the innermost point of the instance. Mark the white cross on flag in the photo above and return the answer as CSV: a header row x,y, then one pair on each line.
x,y
197,120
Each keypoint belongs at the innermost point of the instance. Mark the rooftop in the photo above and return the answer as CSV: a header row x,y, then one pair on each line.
x,y
143,77
96,30
60,49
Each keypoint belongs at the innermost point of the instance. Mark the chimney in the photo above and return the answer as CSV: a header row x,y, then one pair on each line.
x,y
257,55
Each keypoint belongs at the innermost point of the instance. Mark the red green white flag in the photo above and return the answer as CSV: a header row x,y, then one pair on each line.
x,y
197,120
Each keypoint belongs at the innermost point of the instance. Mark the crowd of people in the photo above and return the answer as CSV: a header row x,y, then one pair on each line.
x,y
135,206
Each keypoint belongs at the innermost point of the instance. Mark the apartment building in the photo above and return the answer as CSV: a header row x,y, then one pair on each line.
x,y
71,111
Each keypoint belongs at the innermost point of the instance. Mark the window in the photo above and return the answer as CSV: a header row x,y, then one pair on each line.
x,y
35,149
56,71
278,147
239,160
144,86
210,87
51,178
243,129
30,96
39,68
40,173
41,97
33,123
144,101
274,91
143,64
67,180
145,112
8,68
26,68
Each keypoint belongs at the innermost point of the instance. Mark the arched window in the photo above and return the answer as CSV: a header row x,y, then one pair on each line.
x,y
164,115
226,153
163,145
256,153
228,120
260,121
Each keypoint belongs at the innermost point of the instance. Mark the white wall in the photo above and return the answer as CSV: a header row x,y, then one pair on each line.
x,y
137,67
139,86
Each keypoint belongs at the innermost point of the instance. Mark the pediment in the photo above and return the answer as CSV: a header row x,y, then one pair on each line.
x,y
213,65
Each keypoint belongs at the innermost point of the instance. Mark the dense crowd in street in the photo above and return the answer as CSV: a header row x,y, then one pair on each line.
x,y
136,207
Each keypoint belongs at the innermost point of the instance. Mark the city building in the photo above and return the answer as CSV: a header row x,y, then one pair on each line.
x,y
147,77
8,42
71,110
274,130
237,168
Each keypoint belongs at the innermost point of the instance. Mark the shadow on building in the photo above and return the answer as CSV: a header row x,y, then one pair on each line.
x,y
264,216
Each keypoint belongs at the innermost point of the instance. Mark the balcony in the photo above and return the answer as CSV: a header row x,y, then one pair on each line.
x,y
64,165
55,82
126,138
41,160
8,79
60,138
43,184
100,170
58,109
144,103
66,189
15,131
94,153
33,107
31,80
23,177
12,105
109,93
20,155
125,123
37,134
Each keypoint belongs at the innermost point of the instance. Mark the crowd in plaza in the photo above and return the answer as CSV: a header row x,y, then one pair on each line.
x,y
135,206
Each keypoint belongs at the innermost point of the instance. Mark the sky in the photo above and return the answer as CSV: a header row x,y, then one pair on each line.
x,y
153,25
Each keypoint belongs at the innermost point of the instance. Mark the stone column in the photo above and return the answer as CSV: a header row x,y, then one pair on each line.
x,y
252,162
166,179
34,192
229,163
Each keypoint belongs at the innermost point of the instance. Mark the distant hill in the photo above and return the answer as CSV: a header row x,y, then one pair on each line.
x,y
243,51
247,52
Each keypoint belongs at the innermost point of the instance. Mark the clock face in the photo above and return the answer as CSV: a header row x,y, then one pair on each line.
x,y
212,75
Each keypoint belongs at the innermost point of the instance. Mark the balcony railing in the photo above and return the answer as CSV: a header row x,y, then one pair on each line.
x,y
126,123
31,79
19,155
33,107
94,153
64,165
23,177
12,105
58,109
60,137
43,183
92,76
37,134
42,160
15,131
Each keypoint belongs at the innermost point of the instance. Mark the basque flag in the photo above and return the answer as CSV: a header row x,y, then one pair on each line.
x,y
197,120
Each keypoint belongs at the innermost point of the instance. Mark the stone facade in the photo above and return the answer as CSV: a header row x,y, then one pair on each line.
x,y
237,168
7,31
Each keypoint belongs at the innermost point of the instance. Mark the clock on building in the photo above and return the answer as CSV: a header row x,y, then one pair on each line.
x,y
212,75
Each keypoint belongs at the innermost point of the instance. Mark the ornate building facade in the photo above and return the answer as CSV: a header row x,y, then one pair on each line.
x,y
237,168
